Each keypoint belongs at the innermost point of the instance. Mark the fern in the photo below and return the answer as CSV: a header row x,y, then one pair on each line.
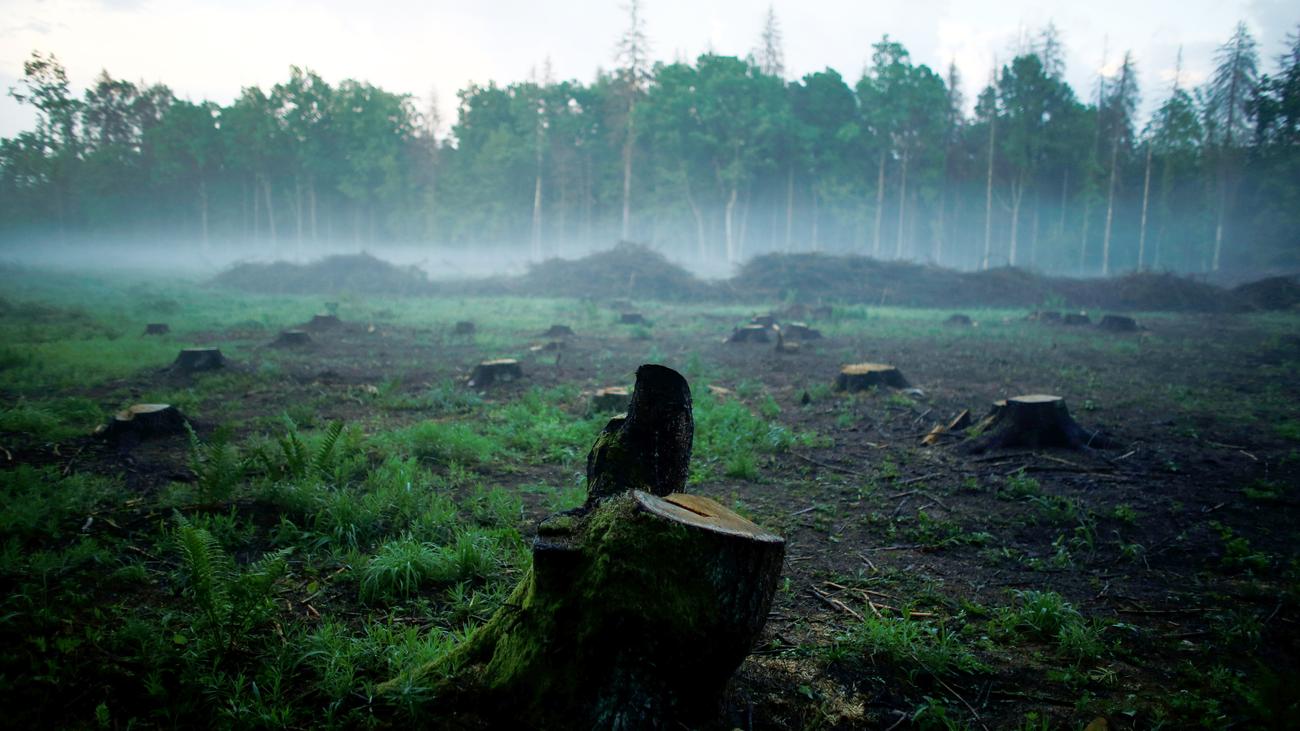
x,y
216,465
296,460
322,464
209,572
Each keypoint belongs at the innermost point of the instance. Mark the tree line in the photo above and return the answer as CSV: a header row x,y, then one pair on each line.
x,y
715,160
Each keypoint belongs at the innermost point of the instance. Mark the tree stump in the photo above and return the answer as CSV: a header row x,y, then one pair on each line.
x,y
800,331
464,327
157,328
639,606
559,331
1075,319
782,346
632,318
750,334
613,399
1118,324
292,339
143,421
324,321
959,320
195,360
490,372
1031,421
768,320
862,376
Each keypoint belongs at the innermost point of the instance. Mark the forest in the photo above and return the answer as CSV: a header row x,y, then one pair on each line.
x,y
717,160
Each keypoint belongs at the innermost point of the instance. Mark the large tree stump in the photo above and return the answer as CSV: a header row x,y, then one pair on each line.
x,y
1031,421
324,321
863,376
612,399
639,606
490,372
750,334
292,339
143,421
785,347
1118,324
195,360
559,331
157,328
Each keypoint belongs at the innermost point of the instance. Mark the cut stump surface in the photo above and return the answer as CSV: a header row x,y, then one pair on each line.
x,y
862,376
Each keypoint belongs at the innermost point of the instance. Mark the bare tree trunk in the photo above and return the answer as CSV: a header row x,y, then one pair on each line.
x,y
537,213
1033,236
988,196
1146,197
789,208
270,208
936,251
1110,208
728,214
1017,194
744,222
902,205
1218,219
297,210
627,173
1065,190
1087,219
311,200
700,238
880,205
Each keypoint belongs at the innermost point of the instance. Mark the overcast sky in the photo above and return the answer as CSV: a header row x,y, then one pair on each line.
x,y
209,49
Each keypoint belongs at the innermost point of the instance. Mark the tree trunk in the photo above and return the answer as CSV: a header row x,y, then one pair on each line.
x,y
1110,208
537,214
880,205
728,213
270,209
1017,195
789,208
1146,197
902,205
988,197
627,173
311,201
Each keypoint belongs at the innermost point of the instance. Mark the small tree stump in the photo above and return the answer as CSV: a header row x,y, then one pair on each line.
x,y
559,331
324,321
195,360
1118,324
464,327
782,346
750,334
632,318
768,320
490,372
613,399
862,376
143,421
292,339
800,331
1031,421
157,328
639,606
1075,319
958,320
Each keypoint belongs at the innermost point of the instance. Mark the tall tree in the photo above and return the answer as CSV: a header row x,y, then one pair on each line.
x,y
1117,116
634,73
1228,116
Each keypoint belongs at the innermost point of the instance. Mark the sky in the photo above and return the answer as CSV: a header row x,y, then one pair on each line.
x,y
210,49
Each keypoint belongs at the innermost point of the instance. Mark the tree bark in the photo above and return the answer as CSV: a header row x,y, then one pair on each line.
x,y
1146,197
902,204
880,205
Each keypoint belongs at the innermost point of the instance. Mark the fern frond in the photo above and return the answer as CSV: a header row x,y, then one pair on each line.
x,y
208,569
322,463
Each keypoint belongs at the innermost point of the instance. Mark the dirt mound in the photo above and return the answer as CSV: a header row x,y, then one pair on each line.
x,y
626,271
810,277
1273,293
354,273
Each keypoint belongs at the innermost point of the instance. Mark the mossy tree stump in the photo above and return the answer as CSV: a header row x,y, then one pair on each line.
x,y
1031,421
640,605
1118,324
324,321
559,331
490,372
632,318
750,334
464,327
292,339
613,399
863,376
196,360
143,421
157,328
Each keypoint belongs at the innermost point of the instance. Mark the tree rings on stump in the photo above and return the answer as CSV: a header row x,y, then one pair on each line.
x,y
1118,324
559,331
324,321
292,339
800,331
610,400
490,372
959,320
862,376
1031,421
157,328
750,334
464,327
143,421
632,318
1076,318
195,360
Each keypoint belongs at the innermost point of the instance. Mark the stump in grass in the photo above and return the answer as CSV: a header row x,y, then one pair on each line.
x,y
606,400
495,371
750,334
157,328
800,331
639,606
559,331
464,327
862,376
1031,421
1118,324
959,320
1075,319
632,318
143,421
324,321
292,339
195,360
782,346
